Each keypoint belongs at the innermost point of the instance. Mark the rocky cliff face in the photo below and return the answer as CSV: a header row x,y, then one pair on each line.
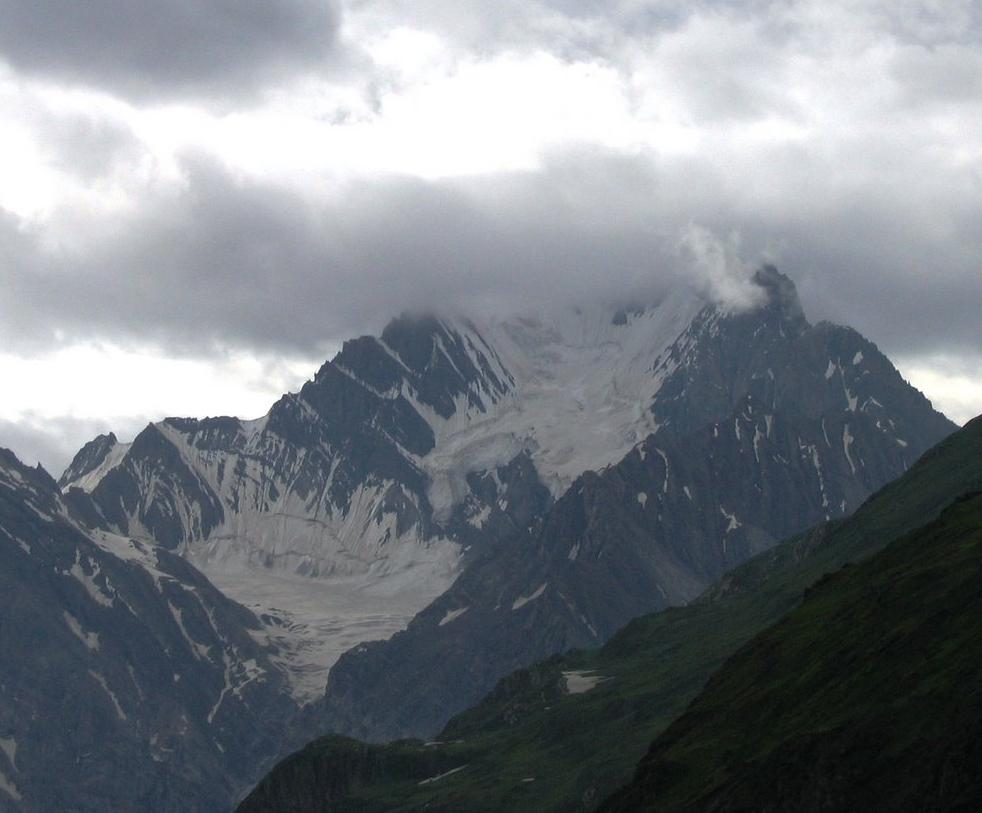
x,y
384,477
764,426
127,681
508,489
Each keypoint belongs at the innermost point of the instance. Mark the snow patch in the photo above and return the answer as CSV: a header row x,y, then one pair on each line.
x,y
642,498
580,681
90,639
816,461
452,615
141,553
250,671
858,357
38,512
480,517
9,788
105,686
847,440
817,465
758,437
521,601
198,650
228,665
440,776
732,522
24,546
851,400
88,580
136,683
664,458
9,746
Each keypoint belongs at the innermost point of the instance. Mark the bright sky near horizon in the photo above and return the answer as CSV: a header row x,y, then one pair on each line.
x,y
191,224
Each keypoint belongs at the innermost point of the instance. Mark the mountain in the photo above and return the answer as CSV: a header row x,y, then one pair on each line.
x,y
566,732
866,697
93,460
354,503
127,681
504,489
762,425
372,488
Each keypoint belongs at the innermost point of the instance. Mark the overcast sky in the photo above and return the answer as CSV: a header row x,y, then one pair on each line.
x,y
199,201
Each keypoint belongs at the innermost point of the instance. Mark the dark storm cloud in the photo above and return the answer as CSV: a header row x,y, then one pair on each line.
x,y
836,139
226,262
868,207
221,261
34,444
167,48
586,26
88,146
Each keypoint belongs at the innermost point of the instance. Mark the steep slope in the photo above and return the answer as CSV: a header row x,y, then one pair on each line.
x,y
577,724
93,460
127,681
430,456
368,490
764,426
866,697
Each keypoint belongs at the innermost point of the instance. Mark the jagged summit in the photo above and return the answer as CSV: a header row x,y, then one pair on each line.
x,y
416,340
88,459
413,453
454,498
781,292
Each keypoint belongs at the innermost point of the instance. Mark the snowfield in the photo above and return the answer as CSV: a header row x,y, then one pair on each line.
x,y
314,621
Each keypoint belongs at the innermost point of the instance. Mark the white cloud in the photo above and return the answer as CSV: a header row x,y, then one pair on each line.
x,y
108,382
715,263
471,152
953,386
56,402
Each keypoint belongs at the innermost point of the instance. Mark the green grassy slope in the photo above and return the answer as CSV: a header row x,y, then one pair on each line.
x,y
866,697
532,746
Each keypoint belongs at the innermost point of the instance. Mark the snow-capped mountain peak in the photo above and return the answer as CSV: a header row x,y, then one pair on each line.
x,y
410,452
582,379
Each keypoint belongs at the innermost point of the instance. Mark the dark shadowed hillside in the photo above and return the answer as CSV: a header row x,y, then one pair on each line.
x,y
577,747
867,697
